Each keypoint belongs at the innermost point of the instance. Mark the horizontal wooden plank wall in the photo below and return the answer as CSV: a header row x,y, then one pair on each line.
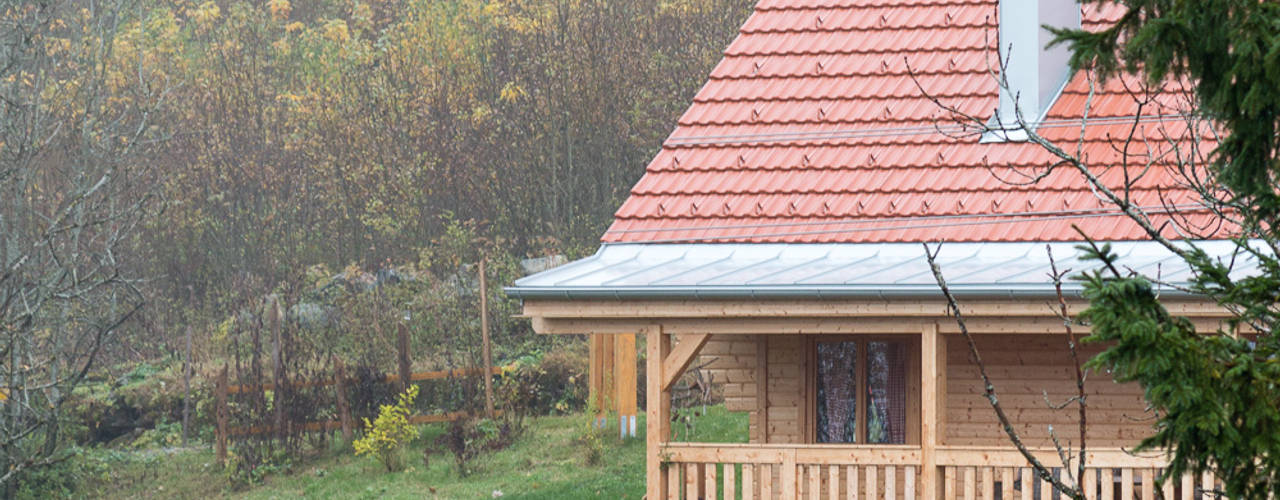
x,y
1024,369
731,360
786,386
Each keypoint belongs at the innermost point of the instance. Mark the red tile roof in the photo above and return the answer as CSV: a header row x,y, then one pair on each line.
x,y
811,130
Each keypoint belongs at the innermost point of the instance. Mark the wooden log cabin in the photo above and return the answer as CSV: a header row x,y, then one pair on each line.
x,y
778,236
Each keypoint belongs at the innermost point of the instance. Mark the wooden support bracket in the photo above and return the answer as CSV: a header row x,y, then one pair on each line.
x,y
675,363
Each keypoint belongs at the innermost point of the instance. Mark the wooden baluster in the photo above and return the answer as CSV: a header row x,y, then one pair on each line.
x,y
1148,484
1188,486
709,484
730,482
948,482
790,485
691,480
674,484
872,488
1090,484
851,489
748,481
1207,486
1046,489
833,482
1108,485
1167,490
890,482
1126,483
970,482
815,481
988,484
1028,484
1006,483
909,483
766,481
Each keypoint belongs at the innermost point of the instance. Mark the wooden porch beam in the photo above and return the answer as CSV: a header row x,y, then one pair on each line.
x,y
792,325
675,363
853,308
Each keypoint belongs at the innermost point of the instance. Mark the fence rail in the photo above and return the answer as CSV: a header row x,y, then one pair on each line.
x,y
345,422
388,378
334,425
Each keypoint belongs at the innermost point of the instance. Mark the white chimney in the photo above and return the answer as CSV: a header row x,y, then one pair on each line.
x,y
1035,74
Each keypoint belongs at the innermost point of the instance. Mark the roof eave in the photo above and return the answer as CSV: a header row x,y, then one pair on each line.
x,y
897,292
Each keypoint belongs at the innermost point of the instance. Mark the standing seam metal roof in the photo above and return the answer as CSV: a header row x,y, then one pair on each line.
x,y
879,270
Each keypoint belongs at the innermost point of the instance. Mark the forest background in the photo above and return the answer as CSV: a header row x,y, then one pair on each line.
x,y
340,133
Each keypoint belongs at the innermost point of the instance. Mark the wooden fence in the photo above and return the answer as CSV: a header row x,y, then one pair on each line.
x,y
345,422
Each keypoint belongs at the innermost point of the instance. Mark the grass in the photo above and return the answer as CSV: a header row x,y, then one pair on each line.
x,y
547,461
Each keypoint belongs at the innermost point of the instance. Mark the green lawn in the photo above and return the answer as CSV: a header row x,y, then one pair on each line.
x,y
546,462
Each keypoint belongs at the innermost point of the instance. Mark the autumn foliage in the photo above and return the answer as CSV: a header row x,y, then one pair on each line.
x,y
346,133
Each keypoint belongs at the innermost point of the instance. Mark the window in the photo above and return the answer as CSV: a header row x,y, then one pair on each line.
x,y
862,391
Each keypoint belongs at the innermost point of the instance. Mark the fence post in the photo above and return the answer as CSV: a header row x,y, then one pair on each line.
x,y
344,410
277,365
486,351
186,389
402,346
221,411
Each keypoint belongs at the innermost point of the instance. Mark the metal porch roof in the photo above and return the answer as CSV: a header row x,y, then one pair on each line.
x,y
831,270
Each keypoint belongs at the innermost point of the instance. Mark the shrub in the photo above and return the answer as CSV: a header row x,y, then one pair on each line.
x,y
386,435
466,438
68,478
591,441
546,383
250,462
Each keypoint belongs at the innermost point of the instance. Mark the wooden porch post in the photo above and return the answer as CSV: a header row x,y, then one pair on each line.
x,y
625,383
930,405
602,377
657,411
598,374
762,388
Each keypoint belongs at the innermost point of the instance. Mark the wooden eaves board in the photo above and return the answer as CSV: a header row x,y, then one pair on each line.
x,y
819,316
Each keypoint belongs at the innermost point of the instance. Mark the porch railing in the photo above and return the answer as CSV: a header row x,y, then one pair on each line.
x,y
732,471
1110,474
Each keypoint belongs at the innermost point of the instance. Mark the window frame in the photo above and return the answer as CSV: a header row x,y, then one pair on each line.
x,y
912,342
